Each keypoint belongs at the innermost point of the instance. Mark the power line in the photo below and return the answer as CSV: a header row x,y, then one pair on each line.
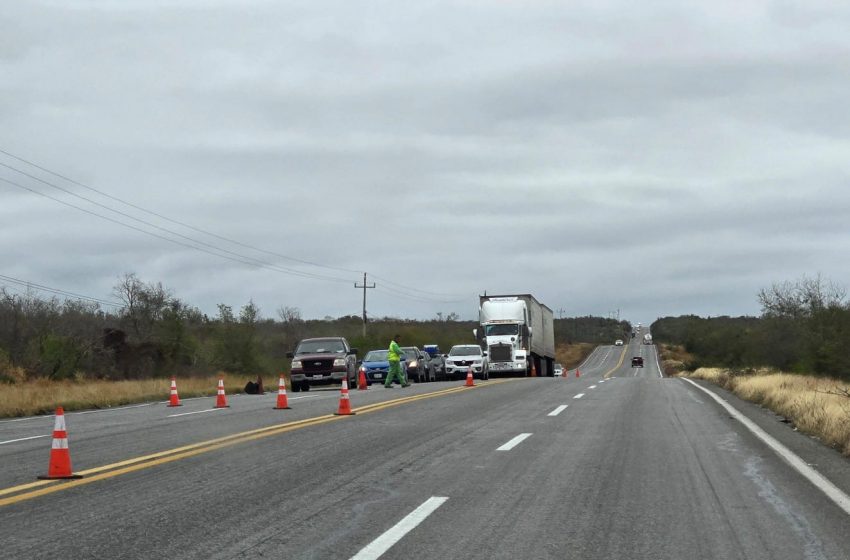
x,y
57,291
199,230
256,263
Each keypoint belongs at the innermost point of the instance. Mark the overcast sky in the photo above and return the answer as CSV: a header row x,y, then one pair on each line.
x,y
655,158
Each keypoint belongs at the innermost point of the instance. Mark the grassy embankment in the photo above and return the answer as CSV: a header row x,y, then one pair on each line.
x,y
27,398
818,406
43,396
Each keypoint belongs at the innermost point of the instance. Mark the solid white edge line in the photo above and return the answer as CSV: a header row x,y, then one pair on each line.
x,y
196,412
580,395
558,410
514,442
657,363
379,546
834,493
23,439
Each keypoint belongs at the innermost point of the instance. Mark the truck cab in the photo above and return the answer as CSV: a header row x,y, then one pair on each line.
x,y
504,334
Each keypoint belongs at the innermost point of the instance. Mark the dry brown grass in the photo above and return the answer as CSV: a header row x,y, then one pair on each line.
x,y
674,359
809,403
571,355
43,396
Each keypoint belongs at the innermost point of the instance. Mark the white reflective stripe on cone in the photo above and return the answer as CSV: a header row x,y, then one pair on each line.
x,y
60,423
60,444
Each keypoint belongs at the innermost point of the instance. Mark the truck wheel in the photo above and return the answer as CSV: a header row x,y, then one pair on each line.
x,y
296,387
305,386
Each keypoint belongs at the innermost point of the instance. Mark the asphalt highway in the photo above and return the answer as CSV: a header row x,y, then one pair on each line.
x,y
619,462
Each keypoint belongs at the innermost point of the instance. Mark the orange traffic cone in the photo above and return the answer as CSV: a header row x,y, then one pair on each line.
x,y
60,455
282,401
344,403
221,398
470,379
533,370
578,373
174,399
361,382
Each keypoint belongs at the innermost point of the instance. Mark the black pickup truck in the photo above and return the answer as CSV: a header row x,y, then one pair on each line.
x,y
637,361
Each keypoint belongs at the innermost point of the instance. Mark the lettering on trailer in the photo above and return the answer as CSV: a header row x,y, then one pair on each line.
x,y
503,299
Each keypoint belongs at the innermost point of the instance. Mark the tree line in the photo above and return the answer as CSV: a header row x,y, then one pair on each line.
x,y
154,333
804,327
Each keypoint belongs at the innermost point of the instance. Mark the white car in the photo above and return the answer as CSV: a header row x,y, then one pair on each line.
x,y
618,342
463,356
559,370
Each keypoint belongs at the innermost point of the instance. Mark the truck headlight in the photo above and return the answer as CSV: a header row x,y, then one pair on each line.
x,y
414,363
339,362
296,364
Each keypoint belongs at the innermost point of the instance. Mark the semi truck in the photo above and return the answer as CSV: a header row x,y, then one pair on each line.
x,y
517,332
647,338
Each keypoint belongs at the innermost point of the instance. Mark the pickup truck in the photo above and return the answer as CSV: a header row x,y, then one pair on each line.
x,y
322,361
637,361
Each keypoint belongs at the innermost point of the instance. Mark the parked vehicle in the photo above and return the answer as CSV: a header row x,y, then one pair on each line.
x,y
637,361
559,370
375,366
518,333
322,361
437,362
463,356
417,365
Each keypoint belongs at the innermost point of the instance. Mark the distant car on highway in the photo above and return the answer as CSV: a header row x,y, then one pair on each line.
x,y
322,361
559,370
637,361
618,342
463,356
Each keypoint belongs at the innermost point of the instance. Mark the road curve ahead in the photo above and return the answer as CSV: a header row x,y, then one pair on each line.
x,y
619,463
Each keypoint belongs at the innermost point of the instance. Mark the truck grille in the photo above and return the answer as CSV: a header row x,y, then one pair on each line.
x,y
317,365
500,353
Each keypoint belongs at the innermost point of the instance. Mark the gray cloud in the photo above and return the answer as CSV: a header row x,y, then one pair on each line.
x,y
660,160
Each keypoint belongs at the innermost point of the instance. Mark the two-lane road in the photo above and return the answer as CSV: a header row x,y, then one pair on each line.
x,y
617,463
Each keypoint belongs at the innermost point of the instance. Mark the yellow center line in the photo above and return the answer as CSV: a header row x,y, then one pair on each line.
x,y
615,368
184,452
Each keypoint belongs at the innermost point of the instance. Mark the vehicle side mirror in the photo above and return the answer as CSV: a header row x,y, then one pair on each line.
x,y
485,352
353,351
445,355
290,354
475,333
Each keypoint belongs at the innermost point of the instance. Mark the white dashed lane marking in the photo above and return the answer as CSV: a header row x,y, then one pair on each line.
x,y
379,546
514,442
558,410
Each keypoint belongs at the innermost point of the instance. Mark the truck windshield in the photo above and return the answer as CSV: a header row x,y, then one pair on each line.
x,y
320,347
501,329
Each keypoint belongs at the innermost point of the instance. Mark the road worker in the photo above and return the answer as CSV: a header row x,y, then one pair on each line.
x,y
395,355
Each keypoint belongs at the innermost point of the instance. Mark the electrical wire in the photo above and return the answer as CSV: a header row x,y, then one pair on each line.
x,y
425,293
57,291
255,262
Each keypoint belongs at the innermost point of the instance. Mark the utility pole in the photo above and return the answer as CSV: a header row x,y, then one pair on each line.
x,y
561,313
364,286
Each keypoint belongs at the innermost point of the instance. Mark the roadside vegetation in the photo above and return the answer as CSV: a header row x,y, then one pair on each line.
x,y
82,355
792,359
818,406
